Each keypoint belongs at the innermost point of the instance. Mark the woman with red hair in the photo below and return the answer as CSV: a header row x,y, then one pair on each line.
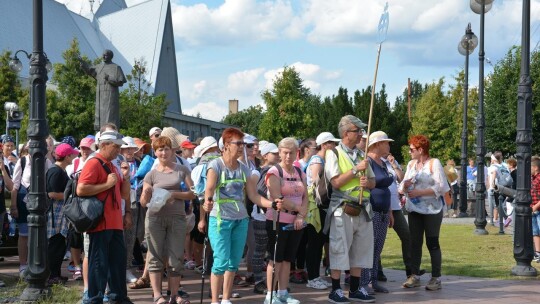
x,y
424,186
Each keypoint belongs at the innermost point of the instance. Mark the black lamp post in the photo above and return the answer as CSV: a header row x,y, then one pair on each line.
x,y
523,244
466,46
37,272
480,7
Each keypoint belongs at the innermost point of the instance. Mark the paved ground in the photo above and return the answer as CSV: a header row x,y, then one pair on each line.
x,y
455,288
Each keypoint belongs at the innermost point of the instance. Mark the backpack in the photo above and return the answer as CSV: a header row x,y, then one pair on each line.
x,y
322,188
503,177
83,213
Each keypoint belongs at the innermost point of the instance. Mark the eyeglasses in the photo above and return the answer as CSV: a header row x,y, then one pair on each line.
x,y
355,131
250,146
238,143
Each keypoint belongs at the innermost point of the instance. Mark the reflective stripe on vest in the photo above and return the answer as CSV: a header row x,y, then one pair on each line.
x,y
352,187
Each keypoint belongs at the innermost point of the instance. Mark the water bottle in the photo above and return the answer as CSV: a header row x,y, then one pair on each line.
x,y
290,227
414,200
12,226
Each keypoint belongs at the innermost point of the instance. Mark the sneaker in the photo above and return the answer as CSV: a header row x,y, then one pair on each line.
x,y
190,265
287,298
338,297
275,299
412,281
77,275
238,281
325,282
434,284
71,267
130,278
297,278
260,288
316,284
507,221
361,295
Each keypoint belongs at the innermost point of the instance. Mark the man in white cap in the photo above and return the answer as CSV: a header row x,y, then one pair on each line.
x,y
348,219
107,249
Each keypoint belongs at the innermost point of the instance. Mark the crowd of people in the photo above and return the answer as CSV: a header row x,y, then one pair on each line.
x,y
207,204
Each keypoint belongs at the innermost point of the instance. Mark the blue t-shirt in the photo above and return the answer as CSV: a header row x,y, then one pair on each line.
x,y
380,195
230,191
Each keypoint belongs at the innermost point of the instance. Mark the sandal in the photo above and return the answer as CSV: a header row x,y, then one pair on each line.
x,y
141,282
156,300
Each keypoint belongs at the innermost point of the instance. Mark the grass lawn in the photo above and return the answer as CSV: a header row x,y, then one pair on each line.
x,y
463,253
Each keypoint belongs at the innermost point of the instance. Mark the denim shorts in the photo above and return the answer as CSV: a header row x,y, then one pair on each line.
x,y
536,223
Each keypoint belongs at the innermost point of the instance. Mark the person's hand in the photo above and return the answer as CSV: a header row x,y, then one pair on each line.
x,y
208,205
364,181
14,212
298,223
111,180
202,226
128,221
361,166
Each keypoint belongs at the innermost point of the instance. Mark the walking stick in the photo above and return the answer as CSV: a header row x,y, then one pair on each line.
x,y
274,261
383,29
205,260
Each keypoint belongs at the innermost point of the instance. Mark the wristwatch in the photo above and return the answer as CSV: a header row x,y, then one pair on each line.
x,y
354,171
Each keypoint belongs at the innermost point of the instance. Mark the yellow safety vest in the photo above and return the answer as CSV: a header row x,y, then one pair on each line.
x,y
352,187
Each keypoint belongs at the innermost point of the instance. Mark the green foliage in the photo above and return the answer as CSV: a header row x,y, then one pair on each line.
x,y
501,102
247,120
288,108
140,110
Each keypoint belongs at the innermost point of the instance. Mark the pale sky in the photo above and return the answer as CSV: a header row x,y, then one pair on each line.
x,y
234,49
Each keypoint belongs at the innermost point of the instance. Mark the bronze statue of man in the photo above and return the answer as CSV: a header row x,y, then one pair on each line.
x,y
109,77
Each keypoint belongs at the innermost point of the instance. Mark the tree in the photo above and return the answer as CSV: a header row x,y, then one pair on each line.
x,y
247,120
287,104
10,85
139,109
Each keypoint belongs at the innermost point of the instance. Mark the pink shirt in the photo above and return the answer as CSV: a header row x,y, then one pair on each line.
x,y
292,188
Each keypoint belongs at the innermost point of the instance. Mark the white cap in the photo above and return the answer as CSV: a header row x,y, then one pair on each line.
x,y
378,136
269,148
129,142
325,137
111,136
206,143
153,131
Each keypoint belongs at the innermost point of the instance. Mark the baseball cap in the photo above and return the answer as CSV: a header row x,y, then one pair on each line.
x,y
269,148
64,149
153,131
186,144
325,137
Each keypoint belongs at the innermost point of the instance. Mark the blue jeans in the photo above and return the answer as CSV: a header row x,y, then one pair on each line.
x,y
228,243
106,264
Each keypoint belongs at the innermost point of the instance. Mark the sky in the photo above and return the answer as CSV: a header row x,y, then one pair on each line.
x,y
234,49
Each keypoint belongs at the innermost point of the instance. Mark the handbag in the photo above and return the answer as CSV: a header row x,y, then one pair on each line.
x,y
83,212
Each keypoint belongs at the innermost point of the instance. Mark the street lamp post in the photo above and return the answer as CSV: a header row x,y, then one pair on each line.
x,y
523,244
466,46
480,7
38,270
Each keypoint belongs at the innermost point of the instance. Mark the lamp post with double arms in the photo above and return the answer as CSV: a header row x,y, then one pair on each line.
x,y
480,7
523,244
466,46
37,272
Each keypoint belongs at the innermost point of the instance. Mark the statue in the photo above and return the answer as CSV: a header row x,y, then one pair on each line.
x,y
109,77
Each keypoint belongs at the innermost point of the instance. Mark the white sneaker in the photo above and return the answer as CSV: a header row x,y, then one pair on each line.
x,y
316,284
130,278
325,282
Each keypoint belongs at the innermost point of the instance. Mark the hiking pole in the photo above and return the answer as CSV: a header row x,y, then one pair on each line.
x,y
383,29
205,260
276,227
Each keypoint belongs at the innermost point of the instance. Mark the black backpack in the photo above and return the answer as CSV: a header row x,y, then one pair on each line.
x,y
83,213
